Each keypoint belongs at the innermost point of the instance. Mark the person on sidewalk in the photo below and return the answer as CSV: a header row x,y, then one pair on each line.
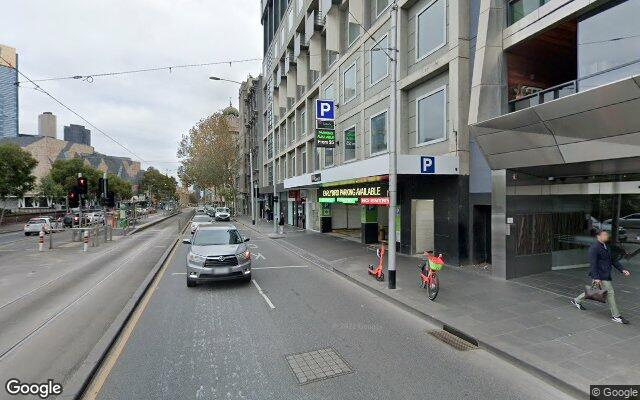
x,y
281,223
601,265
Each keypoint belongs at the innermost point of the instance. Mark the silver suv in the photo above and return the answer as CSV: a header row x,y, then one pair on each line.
x,y
217,253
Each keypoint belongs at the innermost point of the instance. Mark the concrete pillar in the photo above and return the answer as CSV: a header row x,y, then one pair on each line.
x,y
499,228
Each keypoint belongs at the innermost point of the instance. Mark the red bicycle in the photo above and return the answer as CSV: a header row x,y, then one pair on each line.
x,y
429,274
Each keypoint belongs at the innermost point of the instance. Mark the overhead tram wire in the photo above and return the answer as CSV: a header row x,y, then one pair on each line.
x,y
90,77
39,88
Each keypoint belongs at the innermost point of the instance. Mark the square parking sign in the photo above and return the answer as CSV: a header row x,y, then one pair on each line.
x,y
325,109
427,165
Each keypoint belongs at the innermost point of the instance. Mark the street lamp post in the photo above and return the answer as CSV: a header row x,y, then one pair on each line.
x,y
253,208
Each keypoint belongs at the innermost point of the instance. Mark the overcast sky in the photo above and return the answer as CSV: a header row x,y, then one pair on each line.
x,y
146,112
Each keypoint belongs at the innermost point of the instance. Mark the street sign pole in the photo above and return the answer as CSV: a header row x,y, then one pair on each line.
x,y
393,171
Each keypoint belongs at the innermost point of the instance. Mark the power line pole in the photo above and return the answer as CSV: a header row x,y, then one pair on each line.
x,y
393,166
253,205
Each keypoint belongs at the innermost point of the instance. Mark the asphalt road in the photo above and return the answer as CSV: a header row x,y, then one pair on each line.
x,y
225,341
56,305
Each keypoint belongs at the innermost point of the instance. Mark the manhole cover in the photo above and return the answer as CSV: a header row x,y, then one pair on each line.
x,y
317,365
452,340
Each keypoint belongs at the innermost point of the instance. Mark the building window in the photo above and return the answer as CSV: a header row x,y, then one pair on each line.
x,y
349,83
303,123
608,43
328,93
349,142
303,158
316,157
292,165
381,5
353,32
431,27
270,174
379,61
292,130
432,117
283,137
270,147
290,20
276,143
378,132
328,157
332,57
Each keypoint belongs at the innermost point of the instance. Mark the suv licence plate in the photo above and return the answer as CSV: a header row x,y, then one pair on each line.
x,y
221,271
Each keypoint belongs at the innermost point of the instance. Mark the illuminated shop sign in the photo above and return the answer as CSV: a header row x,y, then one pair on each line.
x,y
374,201
347,200
378,189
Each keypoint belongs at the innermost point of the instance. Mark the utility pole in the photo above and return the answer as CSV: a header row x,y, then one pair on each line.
x,y
253,205
273,178
393,165
80,202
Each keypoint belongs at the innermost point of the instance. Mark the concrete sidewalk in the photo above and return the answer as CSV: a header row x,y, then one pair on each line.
x,y
527,324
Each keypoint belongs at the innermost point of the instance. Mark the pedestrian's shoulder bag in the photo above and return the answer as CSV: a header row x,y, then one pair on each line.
x,y
595,292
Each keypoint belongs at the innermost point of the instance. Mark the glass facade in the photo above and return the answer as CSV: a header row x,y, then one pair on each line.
x,y
8,102
379,133
431,29
432,117
609,44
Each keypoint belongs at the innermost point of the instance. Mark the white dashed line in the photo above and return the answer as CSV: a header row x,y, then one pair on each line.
x,y
264,296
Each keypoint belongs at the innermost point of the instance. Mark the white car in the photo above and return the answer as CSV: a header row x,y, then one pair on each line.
x,y
198,220
222,214
96,217
35,225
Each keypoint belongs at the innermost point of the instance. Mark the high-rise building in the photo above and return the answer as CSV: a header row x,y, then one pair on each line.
x,y
47,124
77,134
8,92
341,51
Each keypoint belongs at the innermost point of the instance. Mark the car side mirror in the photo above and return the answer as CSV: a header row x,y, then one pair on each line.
x,y
247,239
186,241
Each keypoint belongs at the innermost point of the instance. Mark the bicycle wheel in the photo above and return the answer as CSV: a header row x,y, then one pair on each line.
x,y
433,287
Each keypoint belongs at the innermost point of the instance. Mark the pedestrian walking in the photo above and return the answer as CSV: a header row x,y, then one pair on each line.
x,y
601,264
281,223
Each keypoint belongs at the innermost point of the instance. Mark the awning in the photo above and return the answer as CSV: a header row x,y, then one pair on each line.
x,y
598,124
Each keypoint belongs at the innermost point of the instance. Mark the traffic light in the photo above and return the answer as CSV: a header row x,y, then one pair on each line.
x,y
111,199
103,188
82,185
73,199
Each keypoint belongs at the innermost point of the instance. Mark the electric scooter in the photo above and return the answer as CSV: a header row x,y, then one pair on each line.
x,y
377,271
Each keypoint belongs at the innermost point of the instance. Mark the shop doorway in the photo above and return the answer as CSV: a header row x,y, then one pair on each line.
x,y
481,234
345,220
422,227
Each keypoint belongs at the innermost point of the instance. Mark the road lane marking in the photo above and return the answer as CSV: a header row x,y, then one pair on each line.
x,y
283,266
258,256
262,294
179,273
95,386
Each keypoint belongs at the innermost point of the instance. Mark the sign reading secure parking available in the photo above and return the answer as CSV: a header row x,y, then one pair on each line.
x,y
325,109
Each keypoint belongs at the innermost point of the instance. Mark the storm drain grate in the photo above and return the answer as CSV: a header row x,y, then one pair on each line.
x,y
452,340
317,365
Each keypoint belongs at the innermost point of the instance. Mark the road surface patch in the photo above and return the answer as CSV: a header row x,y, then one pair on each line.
x,y
317,365
452,340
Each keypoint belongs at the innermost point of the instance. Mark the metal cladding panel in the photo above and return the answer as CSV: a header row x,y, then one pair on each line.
x,y
356,11
315,53
600,123
333,30
291,82
301,70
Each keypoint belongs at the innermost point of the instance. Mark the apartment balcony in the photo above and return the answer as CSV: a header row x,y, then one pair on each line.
x,y
518,9
543,96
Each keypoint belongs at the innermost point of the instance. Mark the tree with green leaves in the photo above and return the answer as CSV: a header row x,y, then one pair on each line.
x,y
160,186
65,173
16,178
209,155
121,189
51,189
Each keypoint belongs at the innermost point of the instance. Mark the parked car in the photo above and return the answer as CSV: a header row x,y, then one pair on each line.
x,y
200,210
606,225
35,225
199,220
217,252
222,214
631,221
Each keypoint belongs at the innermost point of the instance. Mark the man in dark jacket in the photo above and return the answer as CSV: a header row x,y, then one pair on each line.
x,y
601,265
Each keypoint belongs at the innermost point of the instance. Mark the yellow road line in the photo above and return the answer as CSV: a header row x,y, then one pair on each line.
x,y
116,350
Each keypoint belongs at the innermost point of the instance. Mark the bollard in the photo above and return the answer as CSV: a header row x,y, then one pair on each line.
x,y
85,238
105,233
41,240
51,240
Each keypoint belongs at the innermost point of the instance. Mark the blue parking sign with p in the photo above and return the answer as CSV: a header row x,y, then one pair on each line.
x,y
325,109
427,165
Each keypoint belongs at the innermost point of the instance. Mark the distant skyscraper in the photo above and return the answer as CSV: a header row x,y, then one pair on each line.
x,y
77,134
47,125
8,92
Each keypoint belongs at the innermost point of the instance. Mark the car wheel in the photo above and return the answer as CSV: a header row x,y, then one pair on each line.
x,y
191,282
247,278
27,234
